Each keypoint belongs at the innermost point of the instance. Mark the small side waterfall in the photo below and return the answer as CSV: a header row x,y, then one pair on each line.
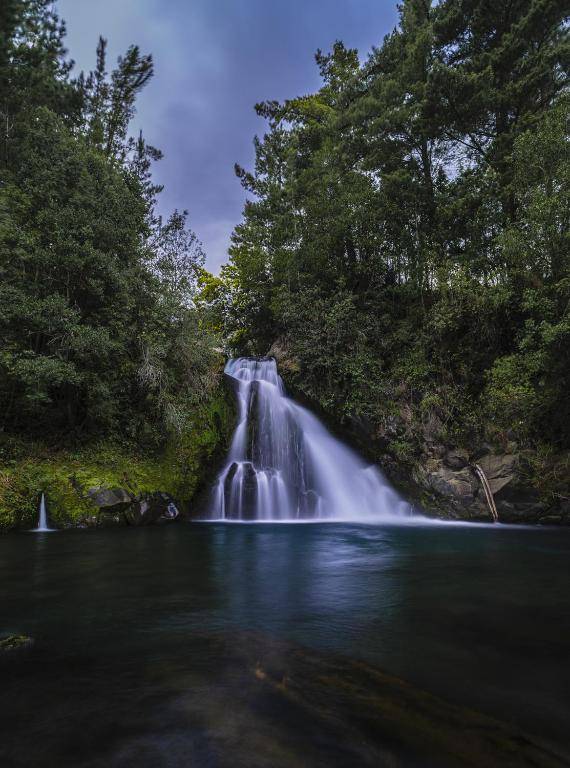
x,y
43,521
283,464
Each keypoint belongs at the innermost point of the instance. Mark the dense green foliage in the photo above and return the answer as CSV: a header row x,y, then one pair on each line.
x,y
181,469
407,231
100,335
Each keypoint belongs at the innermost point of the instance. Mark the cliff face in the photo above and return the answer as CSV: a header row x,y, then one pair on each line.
x,y
479,482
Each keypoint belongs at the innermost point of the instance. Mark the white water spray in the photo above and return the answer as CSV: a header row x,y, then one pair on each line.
x,y
283,464
43,522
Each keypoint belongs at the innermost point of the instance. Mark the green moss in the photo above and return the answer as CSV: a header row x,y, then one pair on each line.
x,y
180,469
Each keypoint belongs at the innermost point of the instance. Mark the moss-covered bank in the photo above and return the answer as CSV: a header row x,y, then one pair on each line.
x,y
180,469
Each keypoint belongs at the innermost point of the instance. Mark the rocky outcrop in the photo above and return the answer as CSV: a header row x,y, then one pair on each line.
x,y
453,476
456,458
110,498
459,484
453,483
454,492
117,506
500,470
153,509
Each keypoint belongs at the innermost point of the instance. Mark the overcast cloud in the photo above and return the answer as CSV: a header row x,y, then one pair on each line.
x,y
214,59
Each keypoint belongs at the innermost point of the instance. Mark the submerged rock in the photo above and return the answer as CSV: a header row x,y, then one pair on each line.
x,y
383,718
13,643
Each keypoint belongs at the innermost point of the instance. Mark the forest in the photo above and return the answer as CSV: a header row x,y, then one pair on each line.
x,y
97,319
403,252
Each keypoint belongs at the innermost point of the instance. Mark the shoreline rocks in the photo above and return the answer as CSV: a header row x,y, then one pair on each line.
x,y
452,480
117,506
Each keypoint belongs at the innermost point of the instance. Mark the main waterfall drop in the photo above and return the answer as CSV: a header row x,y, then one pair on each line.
x,y
283,464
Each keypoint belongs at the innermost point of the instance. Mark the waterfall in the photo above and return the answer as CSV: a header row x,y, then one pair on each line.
x,y
283,464
43,522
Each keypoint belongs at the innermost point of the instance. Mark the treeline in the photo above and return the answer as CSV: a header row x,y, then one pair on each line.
x,y
406,236
98,326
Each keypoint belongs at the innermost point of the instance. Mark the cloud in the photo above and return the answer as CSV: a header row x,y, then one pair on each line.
x,y
214,59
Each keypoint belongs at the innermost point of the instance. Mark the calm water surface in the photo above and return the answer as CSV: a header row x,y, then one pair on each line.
x,y
141,634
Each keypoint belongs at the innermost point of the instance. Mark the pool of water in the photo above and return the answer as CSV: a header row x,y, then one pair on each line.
x,y
143,637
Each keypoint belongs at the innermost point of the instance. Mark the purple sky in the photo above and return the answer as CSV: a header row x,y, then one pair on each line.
x,y
214,59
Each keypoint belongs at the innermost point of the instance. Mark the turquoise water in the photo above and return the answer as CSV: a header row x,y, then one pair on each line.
x,y
136,631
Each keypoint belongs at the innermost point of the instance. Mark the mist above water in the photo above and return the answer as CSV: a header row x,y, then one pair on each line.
x,y
283,464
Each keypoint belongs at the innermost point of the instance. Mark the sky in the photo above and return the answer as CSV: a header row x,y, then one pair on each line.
x,y
214,59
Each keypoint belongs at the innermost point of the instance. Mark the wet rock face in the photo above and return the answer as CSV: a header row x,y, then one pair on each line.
x,y
118,507
454,480
248,482
500,470
152,509
458,483
456,459
309,501
109,497
253,423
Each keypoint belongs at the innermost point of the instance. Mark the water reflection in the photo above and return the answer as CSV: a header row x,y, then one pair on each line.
x,y
167,626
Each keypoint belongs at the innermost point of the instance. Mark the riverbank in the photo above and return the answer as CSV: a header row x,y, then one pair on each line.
x,y
437,471
114,483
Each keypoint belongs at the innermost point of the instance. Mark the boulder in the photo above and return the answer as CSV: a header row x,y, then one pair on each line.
x,y
459,484
454,483
109,497
117,507
108,518
500,469
456,458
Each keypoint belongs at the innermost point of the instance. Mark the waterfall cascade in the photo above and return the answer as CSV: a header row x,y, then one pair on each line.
x,y
283,464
